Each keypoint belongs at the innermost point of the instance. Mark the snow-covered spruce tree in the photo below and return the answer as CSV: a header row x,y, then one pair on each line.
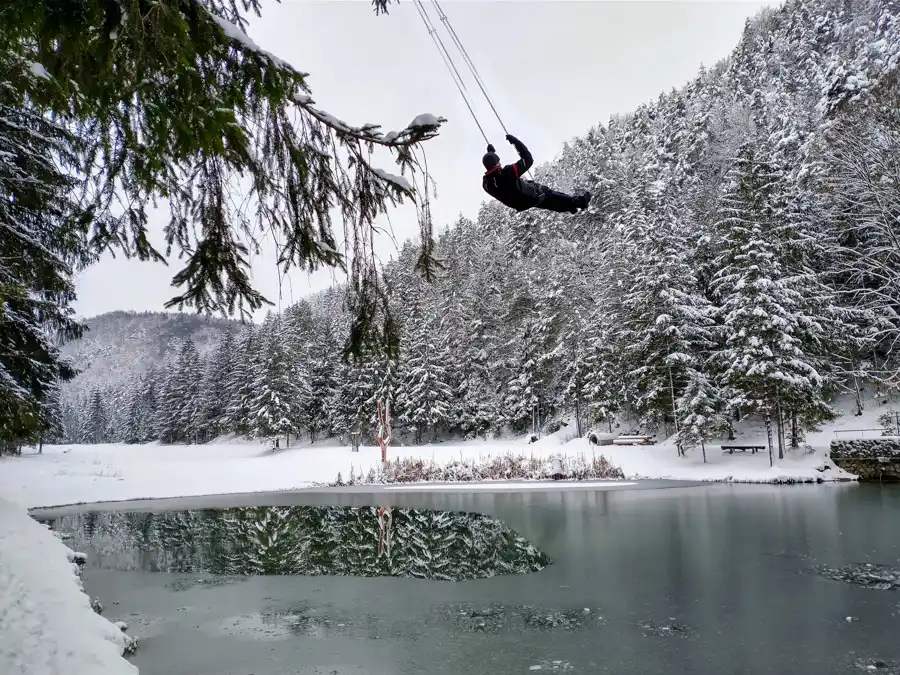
x,y
424,392
700,413
275,405
603,383
96,420
190,376
665,326
322,380
239,384
42,242
51,423
771,334
174,102
213,405
478,410
174,405
297,334
150,386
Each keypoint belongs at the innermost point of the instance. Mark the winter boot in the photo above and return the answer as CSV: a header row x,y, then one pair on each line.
x,y
580,202
584,200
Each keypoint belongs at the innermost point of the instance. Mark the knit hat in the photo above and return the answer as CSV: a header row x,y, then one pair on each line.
x,y
491,158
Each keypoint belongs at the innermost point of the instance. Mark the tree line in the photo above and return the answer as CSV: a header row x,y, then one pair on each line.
x,y
740,260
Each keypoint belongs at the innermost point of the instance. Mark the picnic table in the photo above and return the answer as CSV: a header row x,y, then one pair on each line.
x,y
633,440
743,448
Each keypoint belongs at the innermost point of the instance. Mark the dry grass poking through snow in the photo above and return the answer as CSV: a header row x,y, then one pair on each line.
x,y
504,467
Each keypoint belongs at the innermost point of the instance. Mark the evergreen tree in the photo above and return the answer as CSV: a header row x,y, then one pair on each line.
x,y
96,420
42,244
239,385
770,329
699,409
424,394
275,405
213,406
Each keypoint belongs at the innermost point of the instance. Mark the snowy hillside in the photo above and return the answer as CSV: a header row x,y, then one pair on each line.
x,y
119,345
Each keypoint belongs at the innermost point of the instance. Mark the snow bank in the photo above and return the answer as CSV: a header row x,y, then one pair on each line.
x,y
47,626
662,461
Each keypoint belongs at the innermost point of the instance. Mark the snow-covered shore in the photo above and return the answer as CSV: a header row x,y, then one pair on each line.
x,y
47,625
90,473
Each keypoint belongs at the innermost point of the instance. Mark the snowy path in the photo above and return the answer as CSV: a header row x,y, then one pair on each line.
x,y
47,626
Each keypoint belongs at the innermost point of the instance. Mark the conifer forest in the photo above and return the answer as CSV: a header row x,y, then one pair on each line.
x,y
740,257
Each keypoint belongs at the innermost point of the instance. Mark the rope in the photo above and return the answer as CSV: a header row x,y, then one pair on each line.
x,y
454,73
468,61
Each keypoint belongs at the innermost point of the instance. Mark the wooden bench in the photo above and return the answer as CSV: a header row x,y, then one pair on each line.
x,y
743,448
633,440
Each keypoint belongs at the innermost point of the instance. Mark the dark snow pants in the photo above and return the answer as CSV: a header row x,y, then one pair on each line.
x,y
553,200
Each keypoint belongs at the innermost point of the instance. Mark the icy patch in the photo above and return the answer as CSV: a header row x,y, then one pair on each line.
x,y
303,620
568,619
187,583
494,618
867,575
668,628
249,626
554,666
881,666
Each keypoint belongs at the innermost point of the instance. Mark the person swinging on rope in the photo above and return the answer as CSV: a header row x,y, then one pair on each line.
x,y
504,183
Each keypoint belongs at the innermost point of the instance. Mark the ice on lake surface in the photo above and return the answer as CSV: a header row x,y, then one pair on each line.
x,y
702,580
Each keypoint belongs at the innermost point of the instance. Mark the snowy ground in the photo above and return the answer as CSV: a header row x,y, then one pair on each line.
x,y
84,473
48,626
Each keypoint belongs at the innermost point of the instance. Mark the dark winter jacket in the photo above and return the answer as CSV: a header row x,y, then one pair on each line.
x,y
503,182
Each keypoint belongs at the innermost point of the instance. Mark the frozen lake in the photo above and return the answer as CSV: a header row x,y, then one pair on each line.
x,y
688,579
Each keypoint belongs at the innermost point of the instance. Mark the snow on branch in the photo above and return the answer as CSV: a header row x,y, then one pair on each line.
x,y
422,128
38,70
233,32
398,181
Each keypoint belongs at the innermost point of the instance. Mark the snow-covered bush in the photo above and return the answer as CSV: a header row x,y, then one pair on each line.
x,y
502,467
889,420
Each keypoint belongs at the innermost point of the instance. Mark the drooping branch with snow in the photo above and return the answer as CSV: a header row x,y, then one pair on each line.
x,y
179,104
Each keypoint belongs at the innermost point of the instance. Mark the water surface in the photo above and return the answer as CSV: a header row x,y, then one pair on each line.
x,y
714,579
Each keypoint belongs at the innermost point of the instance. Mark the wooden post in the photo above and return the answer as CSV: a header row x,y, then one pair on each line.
x,y
577,416
384,428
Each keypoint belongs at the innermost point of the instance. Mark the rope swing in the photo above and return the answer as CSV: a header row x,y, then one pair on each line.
x,y
451,66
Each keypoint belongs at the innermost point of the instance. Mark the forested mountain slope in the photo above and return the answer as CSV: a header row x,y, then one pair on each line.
x,y
741,257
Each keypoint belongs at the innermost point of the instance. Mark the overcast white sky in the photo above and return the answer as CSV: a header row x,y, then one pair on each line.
x,y
553,69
